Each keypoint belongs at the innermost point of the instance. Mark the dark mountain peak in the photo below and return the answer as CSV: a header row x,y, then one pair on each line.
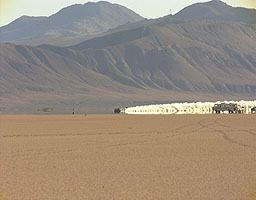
x,y
217,2
100,3
105,3
217,10
26,18
218,5
76,12
82,13
89,9
22,22
78,20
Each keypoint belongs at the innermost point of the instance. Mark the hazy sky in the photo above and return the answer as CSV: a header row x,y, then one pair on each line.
x,y
12,9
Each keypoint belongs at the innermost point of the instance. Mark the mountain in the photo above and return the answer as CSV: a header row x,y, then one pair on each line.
x,y
175,60
217,10
76,23
204,57
73,21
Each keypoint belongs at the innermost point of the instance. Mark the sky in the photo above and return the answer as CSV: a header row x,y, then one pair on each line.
x,y
13,9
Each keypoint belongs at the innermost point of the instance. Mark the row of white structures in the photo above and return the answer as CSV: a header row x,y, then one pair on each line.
x,y
187,108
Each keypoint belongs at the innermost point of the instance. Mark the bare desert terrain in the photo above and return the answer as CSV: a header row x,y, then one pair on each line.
x,y
209,157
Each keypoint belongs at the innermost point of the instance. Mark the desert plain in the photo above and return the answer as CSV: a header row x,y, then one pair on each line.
x,y
128,157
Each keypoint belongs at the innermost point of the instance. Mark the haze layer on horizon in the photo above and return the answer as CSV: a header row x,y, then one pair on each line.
x,y
11,9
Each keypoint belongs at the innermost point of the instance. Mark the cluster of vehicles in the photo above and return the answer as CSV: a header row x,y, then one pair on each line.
x,y
230,108
216,108
226,107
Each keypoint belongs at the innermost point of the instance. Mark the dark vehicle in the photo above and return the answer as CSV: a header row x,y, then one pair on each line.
x,y
222,107
253,110
117,110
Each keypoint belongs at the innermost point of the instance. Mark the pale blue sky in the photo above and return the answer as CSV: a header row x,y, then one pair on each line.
x,y
12,9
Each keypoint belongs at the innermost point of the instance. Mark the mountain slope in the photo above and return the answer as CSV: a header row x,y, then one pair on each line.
x,y
73,21
173,60
190,56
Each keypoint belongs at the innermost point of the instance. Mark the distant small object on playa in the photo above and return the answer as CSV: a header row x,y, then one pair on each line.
x,y
45,109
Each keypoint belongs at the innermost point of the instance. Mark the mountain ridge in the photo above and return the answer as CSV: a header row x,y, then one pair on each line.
x,y
75,20
212,10
217,10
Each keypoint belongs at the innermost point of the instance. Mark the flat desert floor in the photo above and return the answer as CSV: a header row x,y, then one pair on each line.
x,y
209,157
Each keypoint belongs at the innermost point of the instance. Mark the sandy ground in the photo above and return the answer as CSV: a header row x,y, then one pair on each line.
x,y
128,157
